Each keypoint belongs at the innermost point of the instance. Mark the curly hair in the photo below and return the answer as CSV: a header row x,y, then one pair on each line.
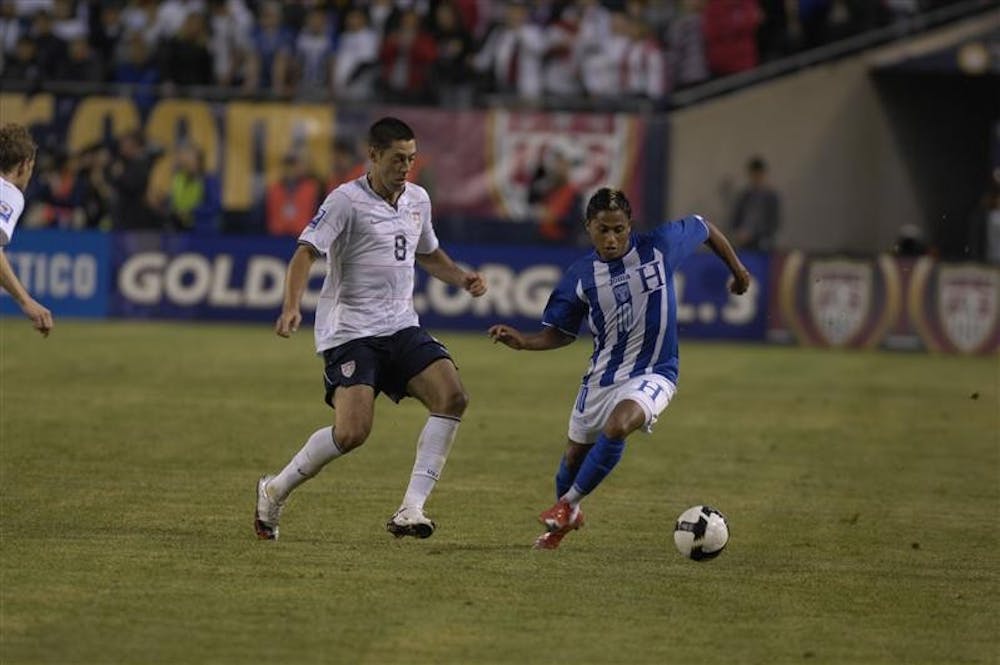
x,y
16,146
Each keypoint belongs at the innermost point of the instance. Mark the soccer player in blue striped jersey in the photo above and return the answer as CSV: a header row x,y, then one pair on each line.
x,y
624,290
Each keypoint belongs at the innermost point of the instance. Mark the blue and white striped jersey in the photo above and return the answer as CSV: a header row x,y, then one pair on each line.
x,y
629,303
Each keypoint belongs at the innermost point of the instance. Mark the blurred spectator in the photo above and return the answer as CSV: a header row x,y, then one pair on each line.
x,y
58,192
561,64
454,50
345,163
512,54
170,17
687,44
185,58
67,24
813,22
106,29
605,69
910,241
595,27
82,65
29,7
756,216
137,68
646,74
24,64
406,58
292,199
556,198
379,15
10,30
314,50
772,33
193,200
128,176
230,23
730,28
355,66
51,51
273,45
138,17
95,192
984,243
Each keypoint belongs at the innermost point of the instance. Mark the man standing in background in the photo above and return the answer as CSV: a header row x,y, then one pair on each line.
x,y
756,216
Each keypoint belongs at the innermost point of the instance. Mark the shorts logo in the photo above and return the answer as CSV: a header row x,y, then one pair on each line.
x,y
347,369
6,210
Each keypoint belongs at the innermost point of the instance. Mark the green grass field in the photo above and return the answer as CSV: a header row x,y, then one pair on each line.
x,y
862,489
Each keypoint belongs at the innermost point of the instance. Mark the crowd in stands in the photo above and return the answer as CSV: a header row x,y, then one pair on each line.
x,y
421,51
445,52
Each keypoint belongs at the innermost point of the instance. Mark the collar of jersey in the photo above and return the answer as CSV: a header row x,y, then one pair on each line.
x,y
366,179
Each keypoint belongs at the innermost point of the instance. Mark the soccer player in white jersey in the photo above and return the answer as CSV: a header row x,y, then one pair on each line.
x,y
17,161
624,290
370,232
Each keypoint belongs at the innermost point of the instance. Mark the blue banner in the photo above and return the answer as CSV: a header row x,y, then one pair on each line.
x,y
202,277
67,271
705,307
241,278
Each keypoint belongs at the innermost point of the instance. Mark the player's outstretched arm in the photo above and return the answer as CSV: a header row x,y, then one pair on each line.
x,y
440,265
724,250
543,340
295,285
40,317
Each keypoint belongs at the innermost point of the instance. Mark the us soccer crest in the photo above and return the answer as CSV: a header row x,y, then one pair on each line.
x,y
347,369
600,149
956,307
839,302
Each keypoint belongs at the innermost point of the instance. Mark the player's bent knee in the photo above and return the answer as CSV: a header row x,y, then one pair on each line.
x,y
453,403
349,438
617,430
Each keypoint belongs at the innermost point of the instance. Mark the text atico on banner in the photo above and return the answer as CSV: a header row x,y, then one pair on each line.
x,y
67,271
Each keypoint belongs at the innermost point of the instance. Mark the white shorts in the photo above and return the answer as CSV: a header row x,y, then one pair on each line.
x,y
594,404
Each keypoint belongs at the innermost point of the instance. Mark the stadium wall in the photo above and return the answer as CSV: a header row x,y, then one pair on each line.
x,y
874,302
828,137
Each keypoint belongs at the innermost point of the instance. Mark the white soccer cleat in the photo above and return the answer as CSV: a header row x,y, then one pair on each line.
x,y
410,521
268,512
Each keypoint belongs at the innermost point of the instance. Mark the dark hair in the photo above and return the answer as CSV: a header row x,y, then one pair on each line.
x,y
388,130
607,198
757,164
16,146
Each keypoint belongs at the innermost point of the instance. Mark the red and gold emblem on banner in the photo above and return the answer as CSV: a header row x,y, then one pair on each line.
x,y
956,307
599,147
839,302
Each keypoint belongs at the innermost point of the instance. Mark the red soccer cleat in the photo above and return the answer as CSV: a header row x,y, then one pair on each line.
x,y
557,517
550,539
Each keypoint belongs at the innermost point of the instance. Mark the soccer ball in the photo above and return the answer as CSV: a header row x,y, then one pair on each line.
x,y
701,533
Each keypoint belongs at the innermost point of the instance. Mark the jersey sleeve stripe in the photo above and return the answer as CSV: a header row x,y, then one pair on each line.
x,y
314,248
562,330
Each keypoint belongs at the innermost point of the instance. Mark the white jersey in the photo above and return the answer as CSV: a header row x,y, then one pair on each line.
x,y
369,247
11,207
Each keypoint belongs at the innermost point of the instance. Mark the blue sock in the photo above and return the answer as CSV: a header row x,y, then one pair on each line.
x,y
564,478
601,458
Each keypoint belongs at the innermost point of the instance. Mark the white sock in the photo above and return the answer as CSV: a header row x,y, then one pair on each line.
x,y
314,455
432,452
573,497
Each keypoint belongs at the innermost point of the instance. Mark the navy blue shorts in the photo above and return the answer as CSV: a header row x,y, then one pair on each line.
x,y
385,363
